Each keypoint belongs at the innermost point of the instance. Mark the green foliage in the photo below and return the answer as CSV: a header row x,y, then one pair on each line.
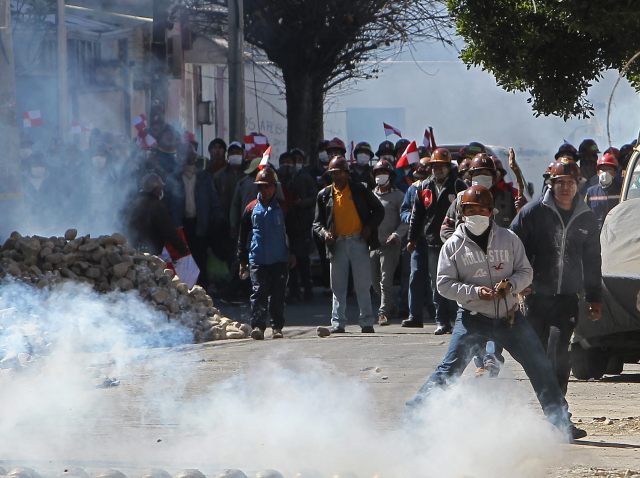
x,y
552,49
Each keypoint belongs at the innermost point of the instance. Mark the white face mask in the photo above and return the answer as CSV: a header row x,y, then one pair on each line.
x,y
38,172
605,178
299,166
382,179
235,159
482,180
362,159
476,225
99,161
323,156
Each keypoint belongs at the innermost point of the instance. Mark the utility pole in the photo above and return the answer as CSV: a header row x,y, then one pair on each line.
x,y
63,82
159,69
236,71
9,159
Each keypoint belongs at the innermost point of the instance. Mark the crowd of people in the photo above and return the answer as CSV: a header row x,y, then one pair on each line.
x,y
467,249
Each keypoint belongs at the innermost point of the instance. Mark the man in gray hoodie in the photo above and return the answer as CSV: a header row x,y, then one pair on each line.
x,y
483,267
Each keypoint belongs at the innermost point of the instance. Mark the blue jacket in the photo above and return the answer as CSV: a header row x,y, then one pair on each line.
x,y
602,200
263,237
407,203
565,259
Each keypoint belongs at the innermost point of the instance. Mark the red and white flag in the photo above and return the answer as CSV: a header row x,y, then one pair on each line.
x,y
428,140
352,156
140,122
144,139
265,159
256,140
32,119
79,128
389,130
409,157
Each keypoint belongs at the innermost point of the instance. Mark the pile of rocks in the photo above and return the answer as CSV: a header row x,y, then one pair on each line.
x,y
108,263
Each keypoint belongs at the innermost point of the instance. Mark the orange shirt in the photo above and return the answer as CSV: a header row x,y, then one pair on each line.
x,y
345,216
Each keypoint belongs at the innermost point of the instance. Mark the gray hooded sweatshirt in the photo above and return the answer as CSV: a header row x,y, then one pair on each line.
x,y
463,267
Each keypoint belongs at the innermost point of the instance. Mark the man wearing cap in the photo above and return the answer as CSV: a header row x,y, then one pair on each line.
x,y
361,169
347,217
433,198
588,156
483,267
385,259
387,151
605,195
561,237
419,286
149,223
302,192
263,252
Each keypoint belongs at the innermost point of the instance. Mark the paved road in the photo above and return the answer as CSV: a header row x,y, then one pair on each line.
x,y
326,405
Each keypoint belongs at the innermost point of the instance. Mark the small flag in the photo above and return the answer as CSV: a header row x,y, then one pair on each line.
x,y
409,157
352,156
433,138
78,128
32,119
144,139
256,140
389,130
426,140
140,122
265,159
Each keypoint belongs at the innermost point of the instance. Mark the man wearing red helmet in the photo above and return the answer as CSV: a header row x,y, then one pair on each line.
x,y
562,240
605,195
483,267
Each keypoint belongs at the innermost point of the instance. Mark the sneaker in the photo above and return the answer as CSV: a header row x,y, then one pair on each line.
x,y
492,366
277,334
442,329
412,323
257,334
576,433
368,329
383,320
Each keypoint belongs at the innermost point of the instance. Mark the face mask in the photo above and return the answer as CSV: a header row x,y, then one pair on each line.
x,y
99,161
382,179
299,166
482,180
605,178
38,172
476,225
362,159
235,159
323,156
25,153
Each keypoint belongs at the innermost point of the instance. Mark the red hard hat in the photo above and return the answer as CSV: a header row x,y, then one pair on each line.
x,y
477,196
383,166
564,169
482,161
607,159
337,143
338,163
266,176
441,155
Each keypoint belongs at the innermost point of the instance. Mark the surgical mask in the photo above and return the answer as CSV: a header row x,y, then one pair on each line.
x,y
382,179
477,225
38,172
323,156
482,180
235,159
362,159
299,166
605,178
99,161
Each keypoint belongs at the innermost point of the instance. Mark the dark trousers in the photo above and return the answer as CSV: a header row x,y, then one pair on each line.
x,y
324,261
419,285
198,247
553,318
519,339
269,283
445,309
300,275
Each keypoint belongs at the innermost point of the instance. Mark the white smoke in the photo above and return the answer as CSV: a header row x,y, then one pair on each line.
x,y
281,411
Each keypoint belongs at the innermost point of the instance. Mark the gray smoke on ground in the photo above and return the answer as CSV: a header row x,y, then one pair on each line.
x,y
286,413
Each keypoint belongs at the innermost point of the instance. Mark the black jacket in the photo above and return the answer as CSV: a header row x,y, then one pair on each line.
x,y
430,208
370,211
150,226
565,259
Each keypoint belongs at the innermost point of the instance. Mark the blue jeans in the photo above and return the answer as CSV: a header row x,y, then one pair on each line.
x,y
520,341
351,251
419,285
445,308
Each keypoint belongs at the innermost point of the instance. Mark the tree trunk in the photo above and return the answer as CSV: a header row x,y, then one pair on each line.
x,y
305,103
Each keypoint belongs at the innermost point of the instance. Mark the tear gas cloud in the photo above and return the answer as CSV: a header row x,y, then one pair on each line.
x,y
281,411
